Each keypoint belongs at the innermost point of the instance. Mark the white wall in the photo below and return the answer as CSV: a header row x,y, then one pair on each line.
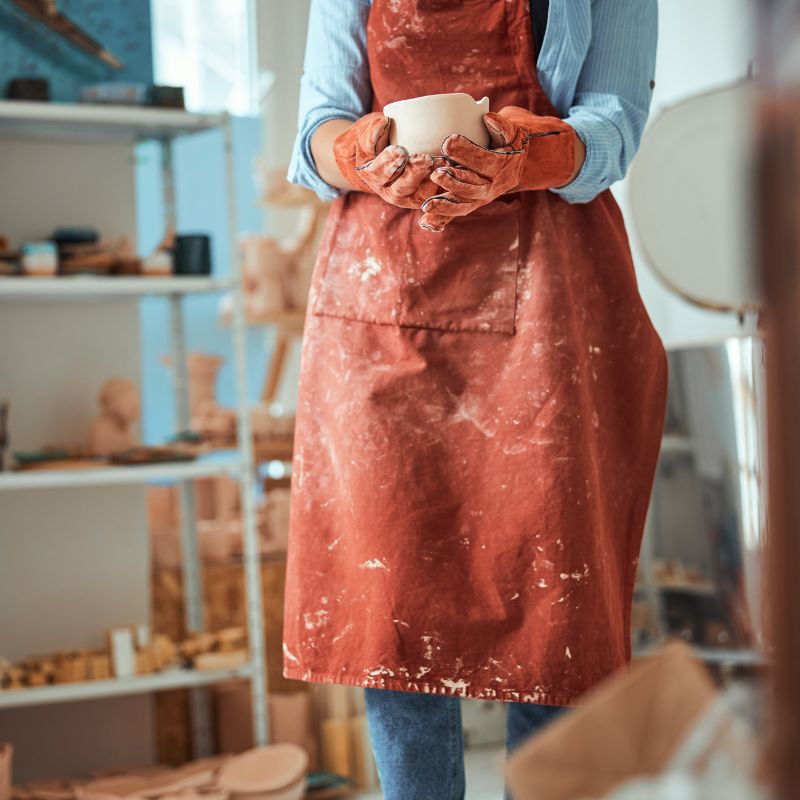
x,y
281,42
72,563
280,50
702,45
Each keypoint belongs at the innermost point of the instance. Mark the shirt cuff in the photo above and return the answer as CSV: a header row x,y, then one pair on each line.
x,y
602,141
302,169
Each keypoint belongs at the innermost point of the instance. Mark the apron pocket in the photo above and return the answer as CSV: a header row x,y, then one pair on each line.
x,y
377,265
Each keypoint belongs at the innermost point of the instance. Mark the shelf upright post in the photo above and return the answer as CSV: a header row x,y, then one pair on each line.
x,y
192,576
252,554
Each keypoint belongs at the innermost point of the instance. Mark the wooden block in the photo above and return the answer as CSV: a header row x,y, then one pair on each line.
x,y
144,662
99,666
290,721
123,652
224,607
141,635
71,667
80,666
165,652
337,747
204,641
234,717
358,700
15,678
231,639
365,773
336,702
213,661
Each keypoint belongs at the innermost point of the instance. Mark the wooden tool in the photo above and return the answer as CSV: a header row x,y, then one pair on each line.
x,y
46,12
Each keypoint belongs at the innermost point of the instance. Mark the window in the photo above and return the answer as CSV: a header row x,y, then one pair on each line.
x,y
206,46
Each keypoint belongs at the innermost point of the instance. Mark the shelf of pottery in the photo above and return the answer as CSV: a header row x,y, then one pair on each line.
x,y
700,565
74,478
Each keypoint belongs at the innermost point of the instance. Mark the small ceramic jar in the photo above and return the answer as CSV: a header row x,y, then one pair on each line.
x,y
40,259
423,123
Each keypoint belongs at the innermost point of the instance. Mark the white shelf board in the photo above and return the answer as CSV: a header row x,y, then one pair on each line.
x,y
676,443
116,687
114,476
84,287
24,119
713,655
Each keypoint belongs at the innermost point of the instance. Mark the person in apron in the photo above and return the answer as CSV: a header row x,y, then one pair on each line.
x,y
482,392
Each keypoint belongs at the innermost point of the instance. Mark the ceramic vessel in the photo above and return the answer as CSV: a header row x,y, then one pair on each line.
x,y
423,123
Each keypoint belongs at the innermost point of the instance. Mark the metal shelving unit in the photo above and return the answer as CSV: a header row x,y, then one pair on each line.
x,y
118,687
63,122
82,287
115,476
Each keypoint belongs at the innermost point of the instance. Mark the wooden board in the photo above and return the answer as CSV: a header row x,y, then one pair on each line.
x,y
224,607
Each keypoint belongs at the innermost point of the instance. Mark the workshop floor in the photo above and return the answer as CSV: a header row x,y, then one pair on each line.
x,y
484,775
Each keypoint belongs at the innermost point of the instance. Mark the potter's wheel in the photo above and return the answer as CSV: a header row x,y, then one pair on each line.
x,y
691,194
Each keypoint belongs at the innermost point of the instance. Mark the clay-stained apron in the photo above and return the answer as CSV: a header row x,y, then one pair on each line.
x,y
479,416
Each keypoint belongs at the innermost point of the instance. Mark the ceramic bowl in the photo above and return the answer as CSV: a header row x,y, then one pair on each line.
x,y
423,123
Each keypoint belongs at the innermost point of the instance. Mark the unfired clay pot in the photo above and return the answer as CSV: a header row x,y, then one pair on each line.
x,y
423,123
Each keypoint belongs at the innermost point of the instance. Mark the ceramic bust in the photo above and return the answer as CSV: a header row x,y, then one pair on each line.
x,y
112,431
423,123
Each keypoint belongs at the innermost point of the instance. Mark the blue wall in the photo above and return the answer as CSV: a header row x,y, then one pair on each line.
x,y
201,207
29,49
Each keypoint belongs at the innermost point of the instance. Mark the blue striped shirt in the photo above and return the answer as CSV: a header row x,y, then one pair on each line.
x,y
596,65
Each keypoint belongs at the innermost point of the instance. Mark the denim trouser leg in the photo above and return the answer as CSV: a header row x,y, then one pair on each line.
x,y
522,721
418,744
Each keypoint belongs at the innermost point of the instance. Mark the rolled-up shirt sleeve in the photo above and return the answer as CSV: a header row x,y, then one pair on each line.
x,y
613,95
335,82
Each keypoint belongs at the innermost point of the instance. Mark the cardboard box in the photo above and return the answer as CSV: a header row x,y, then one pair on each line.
x,y
628,726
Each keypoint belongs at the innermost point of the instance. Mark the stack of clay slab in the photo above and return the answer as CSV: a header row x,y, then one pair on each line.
x,y
276,772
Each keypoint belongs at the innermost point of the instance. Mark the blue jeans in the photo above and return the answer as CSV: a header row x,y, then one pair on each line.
x,y
419,746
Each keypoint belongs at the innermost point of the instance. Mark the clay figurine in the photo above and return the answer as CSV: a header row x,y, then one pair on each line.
x,y
215,423
161,263
276,272
112,430
423,123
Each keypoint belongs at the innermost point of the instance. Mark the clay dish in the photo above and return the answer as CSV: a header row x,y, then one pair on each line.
x,y
276,772
116,786
423,123
179,780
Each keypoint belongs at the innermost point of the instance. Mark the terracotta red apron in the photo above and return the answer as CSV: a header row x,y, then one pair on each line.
x,y
479,417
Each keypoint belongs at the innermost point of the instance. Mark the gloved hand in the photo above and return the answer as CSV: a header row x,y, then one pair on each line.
x,y
369,163
526,152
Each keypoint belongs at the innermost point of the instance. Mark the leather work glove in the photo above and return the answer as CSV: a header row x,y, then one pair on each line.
x,y
366,159
526,152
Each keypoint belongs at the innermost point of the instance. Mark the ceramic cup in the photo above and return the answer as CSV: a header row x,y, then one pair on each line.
x,y
423,123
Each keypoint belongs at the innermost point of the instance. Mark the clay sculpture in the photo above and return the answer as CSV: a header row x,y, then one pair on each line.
x,y
112,431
